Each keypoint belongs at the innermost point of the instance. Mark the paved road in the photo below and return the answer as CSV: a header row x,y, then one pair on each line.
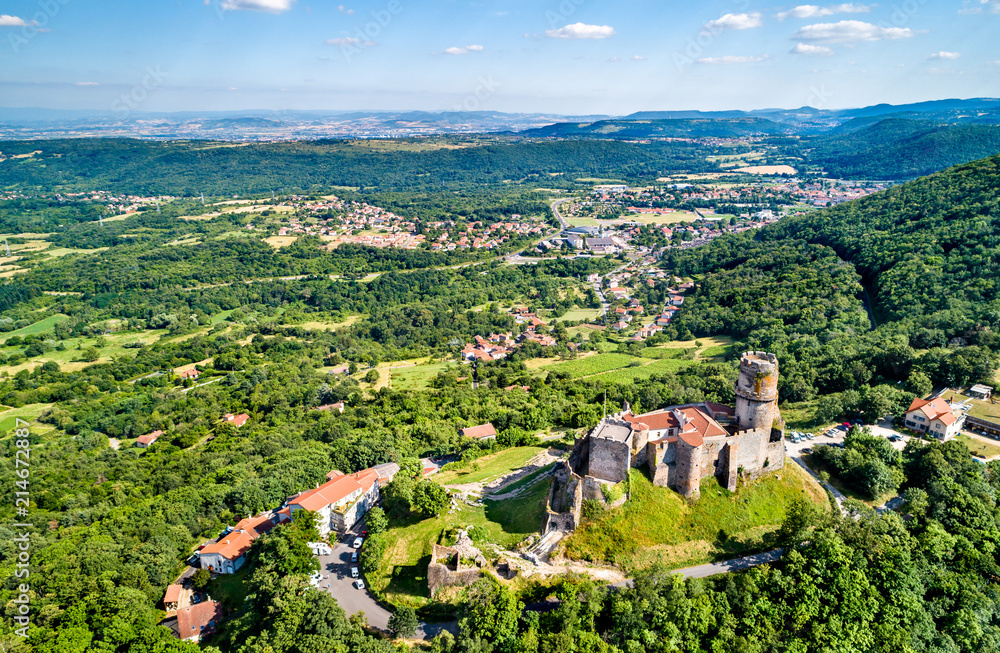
x,y
555,211
337,580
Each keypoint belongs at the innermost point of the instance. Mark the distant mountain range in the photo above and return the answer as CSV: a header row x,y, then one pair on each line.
x,y
21,123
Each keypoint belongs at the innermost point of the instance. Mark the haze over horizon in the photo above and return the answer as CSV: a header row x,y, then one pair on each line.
x,y
570,57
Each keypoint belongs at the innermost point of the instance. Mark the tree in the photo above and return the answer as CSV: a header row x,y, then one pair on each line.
x,y
429,498
799,518
403,622
90,354
491,614
376,521
200,579
372,376
398,494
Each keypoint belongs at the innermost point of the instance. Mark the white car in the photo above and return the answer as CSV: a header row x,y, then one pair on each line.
x,y
357,542
360,584
316,578
354,572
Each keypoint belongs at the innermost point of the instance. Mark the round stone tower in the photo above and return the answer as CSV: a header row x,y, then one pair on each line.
x,y
756,391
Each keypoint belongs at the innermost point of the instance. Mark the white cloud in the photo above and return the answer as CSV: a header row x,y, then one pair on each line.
x,y
466,50
735,21
849,31
347,40
581,31
85,83
731,59
638,57
812,50
344,10
974,7
815,11
12,21
270,6
943,55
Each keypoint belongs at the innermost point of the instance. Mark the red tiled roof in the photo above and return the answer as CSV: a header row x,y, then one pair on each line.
x,y
198,619
693,439
336,490
701,423
231,545
236,420
478,432
657,420
173,594
936,408
150,438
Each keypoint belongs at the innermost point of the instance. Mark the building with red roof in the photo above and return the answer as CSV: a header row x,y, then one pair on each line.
x,y
199,620
936,417
144,441
236,420
481,432
340,502
227,554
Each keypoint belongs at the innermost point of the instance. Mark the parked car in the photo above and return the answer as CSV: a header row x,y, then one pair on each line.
x,y
354,556
316,578
357,542
895,438
360,584
810,436
807,450
354,572
195,599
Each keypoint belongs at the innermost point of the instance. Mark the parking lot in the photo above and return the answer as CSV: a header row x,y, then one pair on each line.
x,y
836,435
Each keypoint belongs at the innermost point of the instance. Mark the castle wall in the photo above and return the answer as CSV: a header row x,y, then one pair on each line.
x,y
609,460
756,390
688,469
660,459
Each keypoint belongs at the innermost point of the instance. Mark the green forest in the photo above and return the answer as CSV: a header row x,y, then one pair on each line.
x,y
867,305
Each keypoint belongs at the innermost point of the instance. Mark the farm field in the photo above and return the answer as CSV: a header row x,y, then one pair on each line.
x,y
667,217
579,315
29,413
417,377
596,364
627,374
657,524
42,326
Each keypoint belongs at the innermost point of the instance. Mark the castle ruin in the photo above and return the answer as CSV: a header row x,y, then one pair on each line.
x,y
679,445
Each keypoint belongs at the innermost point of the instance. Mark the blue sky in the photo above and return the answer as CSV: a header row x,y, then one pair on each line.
x,y
565,56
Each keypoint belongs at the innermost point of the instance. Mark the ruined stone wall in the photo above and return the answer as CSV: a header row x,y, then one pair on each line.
x,y
713,456
609,460
446,570
639,453
751,447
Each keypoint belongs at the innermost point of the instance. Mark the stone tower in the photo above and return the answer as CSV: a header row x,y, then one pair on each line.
x,y
756,391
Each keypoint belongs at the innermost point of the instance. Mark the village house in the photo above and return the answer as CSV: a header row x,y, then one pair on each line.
x,y
172,598
936,417
199,620
236,420
190,374
228,554
144,441
340,502
481,432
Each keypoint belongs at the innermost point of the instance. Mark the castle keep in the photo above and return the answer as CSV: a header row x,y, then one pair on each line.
x,y
680,445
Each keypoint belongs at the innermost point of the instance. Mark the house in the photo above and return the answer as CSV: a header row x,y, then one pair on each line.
x,y
340,502
340,369
934,417
481,432
339,407
386,472
619,326
144,441
236,420
190,374
199,620
980,391
227,554
172,599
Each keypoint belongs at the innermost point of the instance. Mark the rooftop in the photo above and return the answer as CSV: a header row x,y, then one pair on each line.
x,y
616,431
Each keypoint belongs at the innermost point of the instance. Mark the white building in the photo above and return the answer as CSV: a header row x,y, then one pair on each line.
x,y
935,417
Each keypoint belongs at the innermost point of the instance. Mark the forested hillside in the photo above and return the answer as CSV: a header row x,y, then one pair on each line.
x,y
897,148
928,253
